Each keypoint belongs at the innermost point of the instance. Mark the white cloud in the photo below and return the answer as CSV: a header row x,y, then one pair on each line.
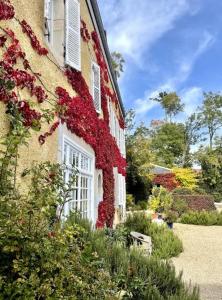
x,y
133,27
186,64
190,96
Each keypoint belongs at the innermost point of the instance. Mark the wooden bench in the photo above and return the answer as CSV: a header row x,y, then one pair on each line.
x,y
142,241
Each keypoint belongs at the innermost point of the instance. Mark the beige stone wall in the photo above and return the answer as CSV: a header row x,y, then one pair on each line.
x,y
33,12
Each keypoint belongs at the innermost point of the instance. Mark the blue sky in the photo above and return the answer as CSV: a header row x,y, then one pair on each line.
x,y
172,45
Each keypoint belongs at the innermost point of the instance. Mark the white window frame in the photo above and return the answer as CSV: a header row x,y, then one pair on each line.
x,y
48,21
67,60
95,65
90,174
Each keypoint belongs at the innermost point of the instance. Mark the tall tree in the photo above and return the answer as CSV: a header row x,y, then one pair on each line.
x,y
171,103
211,165
118,63
210,115
139,157
192,136
168,144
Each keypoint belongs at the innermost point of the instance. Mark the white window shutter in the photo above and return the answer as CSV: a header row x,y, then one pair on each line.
x,y
121,190
96,89
48,19
73,41
47,9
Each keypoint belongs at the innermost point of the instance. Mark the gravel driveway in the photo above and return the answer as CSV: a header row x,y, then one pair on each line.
x,y
201,261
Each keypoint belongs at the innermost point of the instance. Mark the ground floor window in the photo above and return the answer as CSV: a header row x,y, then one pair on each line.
x,y
78,161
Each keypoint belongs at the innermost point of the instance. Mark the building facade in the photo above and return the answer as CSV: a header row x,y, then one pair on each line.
x,y
76,68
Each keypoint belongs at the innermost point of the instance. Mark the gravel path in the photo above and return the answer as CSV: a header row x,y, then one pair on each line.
x,y
201,261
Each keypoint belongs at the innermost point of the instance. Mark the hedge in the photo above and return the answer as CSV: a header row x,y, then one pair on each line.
x,y
198,202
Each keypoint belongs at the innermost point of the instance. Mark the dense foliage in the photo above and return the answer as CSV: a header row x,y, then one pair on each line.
x,y
202,218
168,143
168,181
186,177
211,163
197,202
165,243
160,200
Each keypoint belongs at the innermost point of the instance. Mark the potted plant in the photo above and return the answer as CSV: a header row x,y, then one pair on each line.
x,y
171,217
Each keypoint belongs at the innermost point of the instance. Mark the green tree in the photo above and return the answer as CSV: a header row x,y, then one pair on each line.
x,y
168,144
139,158
192,136
171,103
211,165
210,115
117,63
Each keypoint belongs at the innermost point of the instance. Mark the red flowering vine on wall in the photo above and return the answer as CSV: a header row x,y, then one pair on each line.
x,y
78,113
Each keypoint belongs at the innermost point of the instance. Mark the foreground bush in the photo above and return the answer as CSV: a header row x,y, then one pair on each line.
x,y
165,243
40,259
138,276
202,218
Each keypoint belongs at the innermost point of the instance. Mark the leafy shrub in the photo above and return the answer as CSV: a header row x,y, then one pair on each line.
x,y
183,191
186,177
217,196
160,200
139,276
142,205
180,206
130,201
202,218
171,216
165,243
168,181
197,202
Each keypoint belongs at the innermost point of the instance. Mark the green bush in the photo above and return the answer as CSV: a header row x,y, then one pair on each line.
x,y
183,191
202,218
160,200
143,205
130,201
165,243
139,276
180,206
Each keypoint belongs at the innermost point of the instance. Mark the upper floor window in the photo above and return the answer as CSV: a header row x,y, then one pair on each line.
x,y
96,89
62,31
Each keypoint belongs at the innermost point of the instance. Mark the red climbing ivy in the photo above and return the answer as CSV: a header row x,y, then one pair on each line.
x,y
6,10
78,113
34,41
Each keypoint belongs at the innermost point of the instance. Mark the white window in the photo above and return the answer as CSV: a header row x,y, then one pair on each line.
x,y
73,39
120,188
96,89
48,20
75,159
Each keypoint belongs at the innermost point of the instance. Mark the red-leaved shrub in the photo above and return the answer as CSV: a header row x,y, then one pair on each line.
x,y
168,181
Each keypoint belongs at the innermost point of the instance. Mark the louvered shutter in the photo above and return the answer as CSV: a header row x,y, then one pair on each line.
x,y
48,19
47,9
73,46
120,189
96,86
